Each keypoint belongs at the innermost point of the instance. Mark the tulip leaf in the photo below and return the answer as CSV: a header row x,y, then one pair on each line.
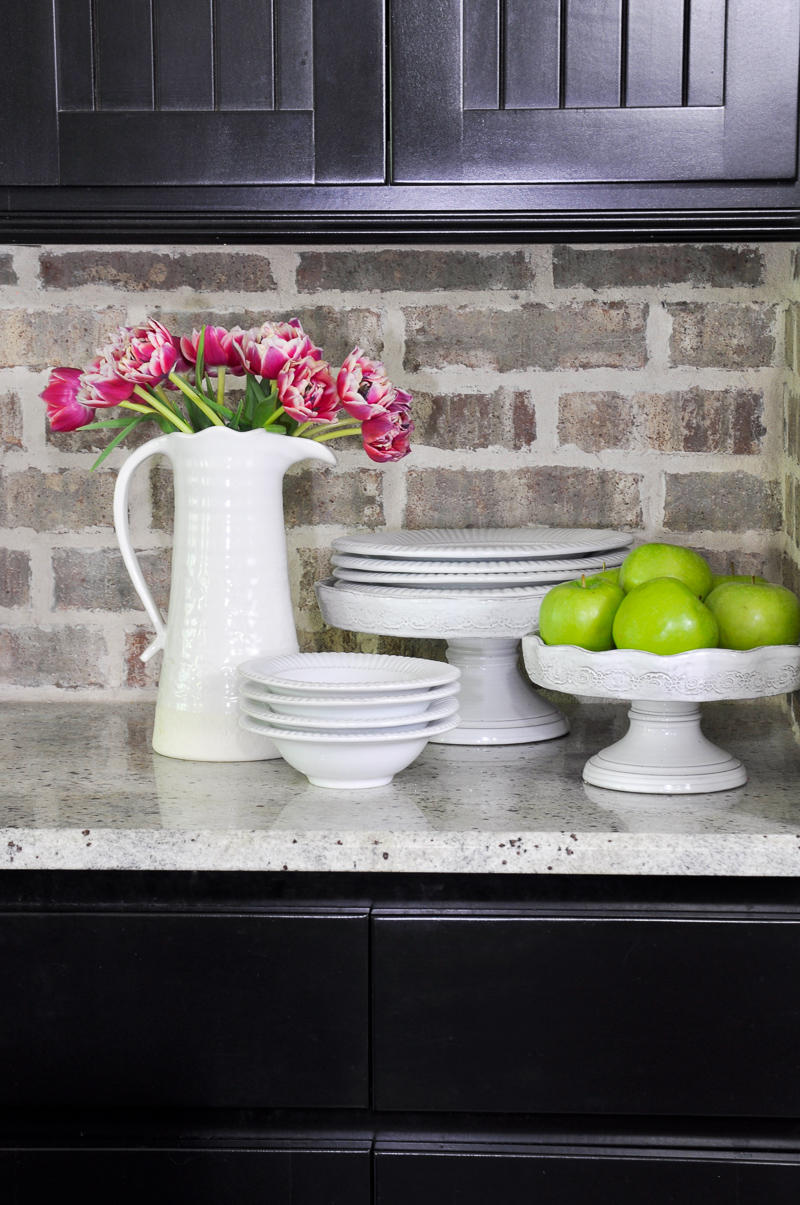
x,y
104,423
199,365
262,413
118,440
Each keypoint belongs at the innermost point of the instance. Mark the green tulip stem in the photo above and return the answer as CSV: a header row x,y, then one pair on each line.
x,y
343,427
136,406
321,439
275,414
170,415
220,386
198,401
160,392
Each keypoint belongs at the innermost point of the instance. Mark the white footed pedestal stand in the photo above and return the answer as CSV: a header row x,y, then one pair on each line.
x,y
664,750
497,705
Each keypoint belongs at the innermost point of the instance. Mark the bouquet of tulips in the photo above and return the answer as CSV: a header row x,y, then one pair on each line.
x,y
179,383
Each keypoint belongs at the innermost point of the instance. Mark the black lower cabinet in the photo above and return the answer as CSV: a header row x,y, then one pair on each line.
x,y
481,1178
171,1177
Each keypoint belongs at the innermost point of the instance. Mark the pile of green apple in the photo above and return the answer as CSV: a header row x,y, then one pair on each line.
x,y
665,599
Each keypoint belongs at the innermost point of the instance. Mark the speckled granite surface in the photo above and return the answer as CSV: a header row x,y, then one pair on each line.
x,y
80,788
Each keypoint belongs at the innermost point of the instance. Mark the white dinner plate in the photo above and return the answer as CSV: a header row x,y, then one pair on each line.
x,y
475,543
455,580
578,564
427,592
346,673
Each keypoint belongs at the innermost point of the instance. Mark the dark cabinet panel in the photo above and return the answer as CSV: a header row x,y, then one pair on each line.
x,y
195,1010
202,1177
594,90
479,1177
624,1015
194,92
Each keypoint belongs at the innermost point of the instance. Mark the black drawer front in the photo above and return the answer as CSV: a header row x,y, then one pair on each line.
x,y
484,1179
172,1177
194,1010
628,1016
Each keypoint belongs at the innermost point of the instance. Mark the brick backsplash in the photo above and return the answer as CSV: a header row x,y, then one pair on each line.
x,y
654,388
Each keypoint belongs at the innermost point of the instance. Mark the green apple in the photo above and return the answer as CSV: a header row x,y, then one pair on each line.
x,y
611,575
751,613
664,615
666,560
580,612
719,579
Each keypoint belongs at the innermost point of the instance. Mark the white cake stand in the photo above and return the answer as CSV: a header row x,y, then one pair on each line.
x,y
497,705
664,751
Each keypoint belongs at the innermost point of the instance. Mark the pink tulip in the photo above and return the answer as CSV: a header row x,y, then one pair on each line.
x,y
101,384
267,350
363,385
307,391
146,355
386,437
64,410
220,348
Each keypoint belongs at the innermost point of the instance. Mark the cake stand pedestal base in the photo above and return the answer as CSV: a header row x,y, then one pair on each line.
x,y
497,705
665,753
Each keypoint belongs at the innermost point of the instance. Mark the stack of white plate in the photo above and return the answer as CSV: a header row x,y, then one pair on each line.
x,y
459,563
348,719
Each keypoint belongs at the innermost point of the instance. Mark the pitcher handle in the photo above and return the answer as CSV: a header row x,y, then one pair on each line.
x,y
121,490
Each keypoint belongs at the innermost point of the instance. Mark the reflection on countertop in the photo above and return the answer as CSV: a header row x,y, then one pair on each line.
x,y
81,788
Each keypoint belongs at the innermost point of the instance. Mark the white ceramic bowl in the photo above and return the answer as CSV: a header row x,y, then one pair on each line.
x,y
351,761
346,673
348,706
440,710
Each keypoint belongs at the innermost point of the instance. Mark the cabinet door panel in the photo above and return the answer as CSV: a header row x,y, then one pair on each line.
x,y
210,1010
475,1178
594,90
628,1016
204,1177
194,92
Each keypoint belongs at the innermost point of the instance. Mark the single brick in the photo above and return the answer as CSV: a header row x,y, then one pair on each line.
x,y
68,657
54,338
791,330
475,420
702,420
15,577
66,500
7,274
415,271
138,673
138,271
95,579
588,334
721,502
791,573
659,264
11,420
162,497
594,421
792,421
722,335
763,564
335,640
353,498
335,331
315,564
551,494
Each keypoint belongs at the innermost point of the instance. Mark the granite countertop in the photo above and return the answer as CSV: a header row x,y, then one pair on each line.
x,y
81,789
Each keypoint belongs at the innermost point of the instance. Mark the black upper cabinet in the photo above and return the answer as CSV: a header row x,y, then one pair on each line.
x,y
537,91
203,119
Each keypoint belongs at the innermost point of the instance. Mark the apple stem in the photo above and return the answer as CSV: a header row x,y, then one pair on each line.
x,y
583,580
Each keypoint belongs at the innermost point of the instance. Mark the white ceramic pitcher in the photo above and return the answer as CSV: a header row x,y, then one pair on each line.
x,y
229,594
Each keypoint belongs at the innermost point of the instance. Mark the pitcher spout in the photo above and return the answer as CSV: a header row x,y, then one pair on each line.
x,y
296,450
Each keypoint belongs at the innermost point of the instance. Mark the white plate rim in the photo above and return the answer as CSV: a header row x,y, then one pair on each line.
x,y
441,709
250,671
541,565
341,738
445,691
494,543
456,580
430,593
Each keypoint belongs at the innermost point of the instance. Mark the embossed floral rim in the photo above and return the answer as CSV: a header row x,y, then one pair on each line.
x,y
702,675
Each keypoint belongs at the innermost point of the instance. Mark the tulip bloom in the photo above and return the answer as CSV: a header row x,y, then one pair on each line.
x,y
386,437
64,410
220,348
307,391
268,349
147,354
364,388
101,384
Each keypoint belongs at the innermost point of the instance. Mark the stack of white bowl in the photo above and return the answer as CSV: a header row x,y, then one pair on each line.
x,y
466,562
348,720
